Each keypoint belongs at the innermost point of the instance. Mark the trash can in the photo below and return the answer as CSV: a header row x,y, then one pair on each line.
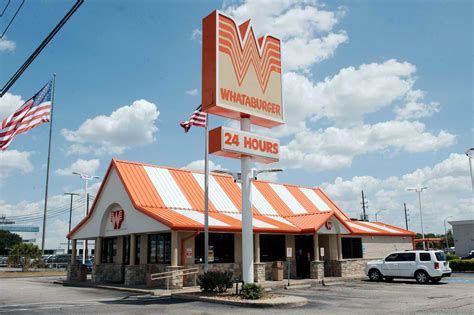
x,y
277,271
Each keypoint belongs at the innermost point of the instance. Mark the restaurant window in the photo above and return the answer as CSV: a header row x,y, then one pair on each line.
x,y
159,248
351,247
272,248
126,250
137,257
109,250
221,248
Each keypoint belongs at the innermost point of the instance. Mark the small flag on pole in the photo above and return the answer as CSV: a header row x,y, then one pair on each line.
x,y
198,118
33,112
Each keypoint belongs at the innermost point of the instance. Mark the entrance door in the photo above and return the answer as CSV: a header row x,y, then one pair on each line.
x,y
304,255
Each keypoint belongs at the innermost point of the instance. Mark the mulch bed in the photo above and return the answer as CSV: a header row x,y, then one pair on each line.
x,y
232,296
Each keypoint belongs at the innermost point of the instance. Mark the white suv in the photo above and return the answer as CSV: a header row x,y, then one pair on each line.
x,y
419,264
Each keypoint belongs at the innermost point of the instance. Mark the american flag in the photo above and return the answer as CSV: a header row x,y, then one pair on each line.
x,y
198,118
32,113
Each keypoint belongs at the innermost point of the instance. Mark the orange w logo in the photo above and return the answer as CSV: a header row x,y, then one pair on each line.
x,y
264,59
116,217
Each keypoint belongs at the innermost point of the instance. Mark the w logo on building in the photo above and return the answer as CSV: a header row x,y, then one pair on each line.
x,y
117,217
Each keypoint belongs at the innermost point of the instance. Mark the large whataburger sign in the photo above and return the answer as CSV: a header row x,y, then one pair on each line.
x,y
241,79
241,74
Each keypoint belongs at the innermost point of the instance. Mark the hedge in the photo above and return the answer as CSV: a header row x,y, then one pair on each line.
x,y
252,291
215,281
450,257
462,265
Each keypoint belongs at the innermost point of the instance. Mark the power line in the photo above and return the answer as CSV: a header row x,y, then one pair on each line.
x,y
8,3
13,18
38,50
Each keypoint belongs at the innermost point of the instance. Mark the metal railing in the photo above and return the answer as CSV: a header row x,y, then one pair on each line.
x,y
182,273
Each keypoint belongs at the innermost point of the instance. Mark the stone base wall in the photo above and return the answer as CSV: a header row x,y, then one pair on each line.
x,y
107,273
176,281
135,275
345,268
353,267
268,270
317,269
76,272
259,272
155,268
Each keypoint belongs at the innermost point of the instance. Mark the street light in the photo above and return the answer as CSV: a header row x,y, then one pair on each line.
x,y
418,191
445,232
376,213
86,178
470,155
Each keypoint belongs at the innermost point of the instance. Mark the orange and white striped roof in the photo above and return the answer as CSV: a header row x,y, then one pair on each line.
x,y
175,197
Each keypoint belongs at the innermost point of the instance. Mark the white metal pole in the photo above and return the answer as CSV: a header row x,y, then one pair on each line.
x,y
247,225
84,244
206,199
43,238
421,217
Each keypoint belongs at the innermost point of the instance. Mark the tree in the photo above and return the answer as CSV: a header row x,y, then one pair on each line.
x,y
8,240
25,255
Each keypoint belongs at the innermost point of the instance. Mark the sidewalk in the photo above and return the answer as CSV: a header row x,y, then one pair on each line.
x,y
296,283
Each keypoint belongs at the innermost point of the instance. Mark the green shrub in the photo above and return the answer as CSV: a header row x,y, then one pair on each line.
x,y
450,256
215,281
252,291
462,264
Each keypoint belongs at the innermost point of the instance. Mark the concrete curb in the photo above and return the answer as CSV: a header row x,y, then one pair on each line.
x,y
287,301
88,285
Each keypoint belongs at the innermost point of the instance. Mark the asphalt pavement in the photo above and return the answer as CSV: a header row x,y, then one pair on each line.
x,y
40,296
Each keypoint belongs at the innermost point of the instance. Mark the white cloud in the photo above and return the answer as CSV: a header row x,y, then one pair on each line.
x,y
334,147
306,28
88,167
198,165
126,127
9,103
197,35
7,45
192,92
448,193
13,160
414,109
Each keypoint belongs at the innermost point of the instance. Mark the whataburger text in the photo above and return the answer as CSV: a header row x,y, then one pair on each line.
x,y
250,101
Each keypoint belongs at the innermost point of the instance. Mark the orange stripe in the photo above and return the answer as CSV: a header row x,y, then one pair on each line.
x,y
191,190
275,201
278,224
231,189
138,184
302,199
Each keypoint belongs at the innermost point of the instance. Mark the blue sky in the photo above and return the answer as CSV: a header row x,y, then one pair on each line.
x,y
378,96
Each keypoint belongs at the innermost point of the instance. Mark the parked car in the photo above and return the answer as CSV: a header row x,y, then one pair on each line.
x,y
469,256
419,264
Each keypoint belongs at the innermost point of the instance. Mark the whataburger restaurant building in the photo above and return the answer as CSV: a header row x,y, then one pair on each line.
x,y
148,219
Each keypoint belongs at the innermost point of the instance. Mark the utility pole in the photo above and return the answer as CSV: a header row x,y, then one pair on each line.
x,y
87,206
406,215
70,216
364,205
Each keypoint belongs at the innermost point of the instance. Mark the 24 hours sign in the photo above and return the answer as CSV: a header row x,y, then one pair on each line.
x,y
235,143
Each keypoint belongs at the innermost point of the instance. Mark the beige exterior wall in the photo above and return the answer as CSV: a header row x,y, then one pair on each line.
x,y
238,248
143,249
381,246
290,242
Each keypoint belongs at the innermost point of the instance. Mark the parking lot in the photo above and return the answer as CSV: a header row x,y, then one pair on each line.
x,y
40,296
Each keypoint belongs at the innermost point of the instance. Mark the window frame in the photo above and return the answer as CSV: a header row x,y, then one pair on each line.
x,y
353,252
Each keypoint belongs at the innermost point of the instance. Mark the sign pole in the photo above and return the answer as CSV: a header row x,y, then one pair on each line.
x,y
247,226
206,197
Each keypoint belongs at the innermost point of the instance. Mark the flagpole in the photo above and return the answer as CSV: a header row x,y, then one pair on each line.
x,y
47,165
206,197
